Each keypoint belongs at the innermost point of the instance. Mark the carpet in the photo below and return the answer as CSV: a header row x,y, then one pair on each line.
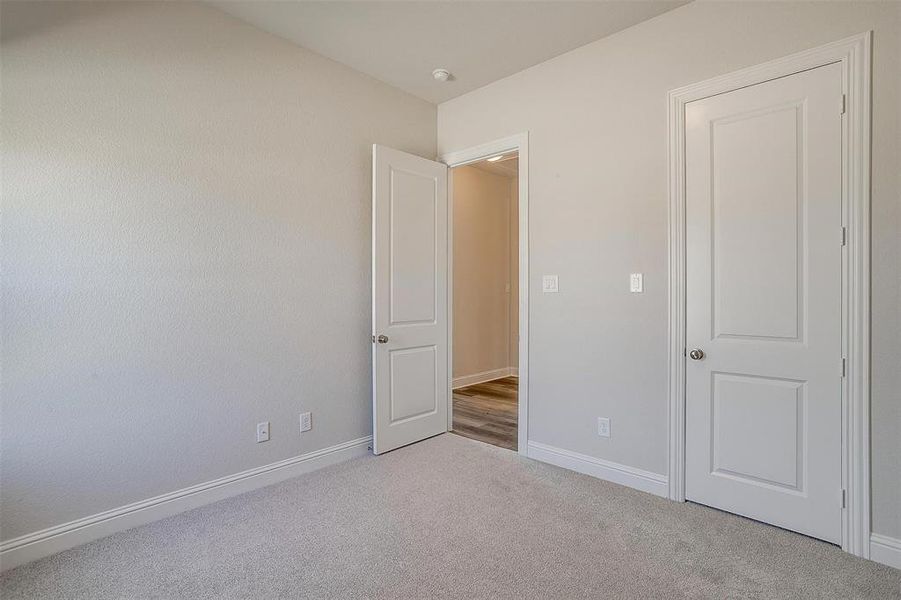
x,y
451,518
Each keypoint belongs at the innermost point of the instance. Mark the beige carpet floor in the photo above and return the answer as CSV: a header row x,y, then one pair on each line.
x,y
452,518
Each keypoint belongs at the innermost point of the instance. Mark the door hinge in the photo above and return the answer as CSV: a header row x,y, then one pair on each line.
x,y
843,367
844,498
844,235
844,103
373,338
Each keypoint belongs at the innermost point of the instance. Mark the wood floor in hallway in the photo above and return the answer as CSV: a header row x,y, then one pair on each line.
x,y
488,412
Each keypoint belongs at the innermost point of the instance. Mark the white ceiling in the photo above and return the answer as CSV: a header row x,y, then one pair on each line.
x,y
508,166
401,43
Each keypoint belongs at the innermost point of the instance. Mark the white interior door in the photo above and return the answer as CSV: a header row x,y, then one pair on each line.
x,y
409,298
764,237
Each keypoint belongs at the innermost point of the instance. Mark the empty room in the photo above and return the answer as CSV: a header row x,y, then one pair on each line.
x,y
440,299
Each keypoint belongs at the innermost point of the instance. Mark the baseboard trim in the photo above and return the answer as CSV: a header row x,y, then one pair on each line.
x,y
645,481
39,544
484,376
885,550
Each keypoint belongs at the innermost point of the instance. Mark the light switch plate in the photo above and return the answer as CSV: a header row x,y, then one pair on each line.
x,y
636,283
549,284
263,432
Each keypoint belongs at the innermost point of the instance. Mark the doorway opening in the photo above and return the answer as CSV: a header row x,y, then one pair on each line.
x,y
485,275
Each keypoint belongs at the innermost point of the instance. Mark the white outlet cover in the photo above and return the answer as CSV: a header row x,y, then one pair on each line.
x,y
604,427
306,421
549,284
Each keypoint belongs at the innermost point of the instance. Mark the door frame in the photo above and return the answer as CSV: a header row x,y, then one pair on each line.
x,y
520,143
855,55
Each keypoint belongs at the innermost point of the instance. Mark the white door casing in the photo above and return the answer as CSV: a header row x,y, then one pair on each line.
x,y
763,188
409,298
854,55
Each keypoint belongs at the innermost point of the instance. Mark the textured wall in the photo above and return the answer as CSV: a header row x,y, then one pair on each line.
x,y
598,211
185,248
482,271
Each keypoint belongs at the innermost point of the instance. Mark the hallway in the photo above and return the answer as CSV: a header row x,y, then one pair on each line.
x,y
487,412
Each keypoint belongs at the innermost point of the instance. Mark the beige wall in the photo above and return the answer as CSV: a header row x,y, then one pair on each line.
x,y
596,119
185,247
483,267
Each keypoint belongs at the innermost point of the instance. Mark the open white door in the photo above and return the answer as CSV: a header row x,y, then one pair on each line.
x,y
409,298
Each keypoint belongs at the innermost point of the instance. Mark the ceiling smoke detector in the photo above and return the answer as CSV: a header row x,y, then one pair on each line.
x,y
441,74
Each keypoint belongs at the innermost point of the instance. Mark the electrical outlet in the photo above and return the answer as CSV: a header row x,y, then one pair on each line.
x,y
604,427
263,432
306,421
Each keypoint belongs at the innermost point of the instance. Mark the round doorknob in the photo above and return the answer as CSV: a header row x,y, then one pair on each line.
x,y
696,354
383,339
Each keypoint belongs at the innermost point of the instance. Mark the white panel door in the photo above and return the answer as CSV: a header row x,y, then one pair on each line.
x,y
763,230
409,298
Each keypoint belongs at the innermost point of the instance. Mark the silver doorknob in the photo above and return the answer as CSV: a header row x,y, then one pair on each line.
x,y
383,339
696,354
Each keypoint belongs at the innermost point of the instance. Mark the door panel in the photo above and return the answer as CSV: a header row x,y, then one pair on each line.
x,y
413,210
743,406
409,291
756,196
413,385
763,405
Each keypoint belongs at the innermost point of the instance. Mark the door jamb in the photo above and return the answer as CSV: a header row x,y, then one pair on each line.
x,y
520,143
855,55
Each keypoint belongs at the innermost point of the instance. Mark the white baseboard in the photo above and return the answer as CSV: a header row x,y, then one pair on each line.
x,y
32,546
484,376
602,469
885,550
